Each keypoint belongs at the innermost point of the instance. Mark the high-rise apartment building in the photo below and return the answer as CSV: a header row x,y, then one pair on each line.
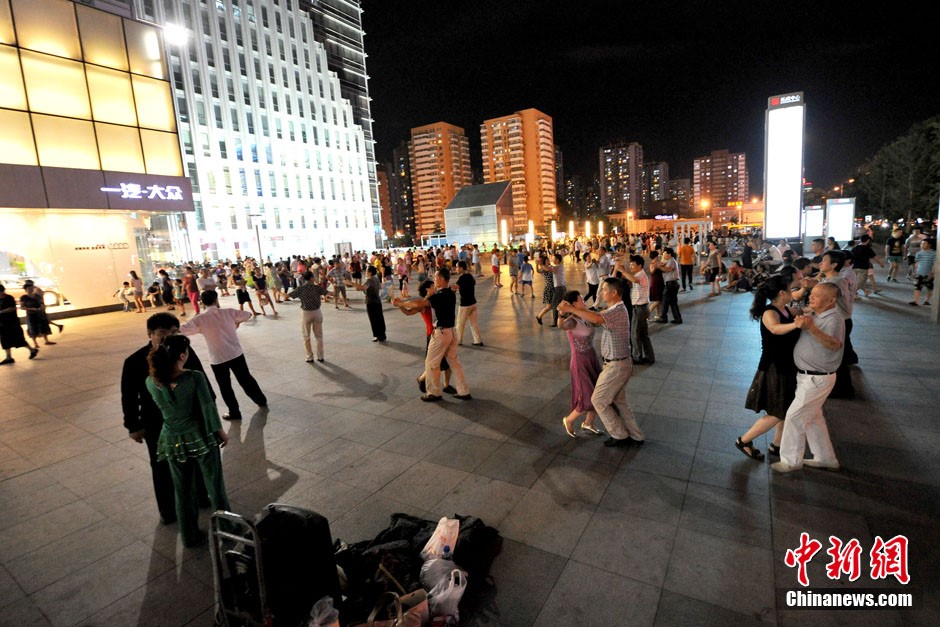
x,y
385,200
681,190
655,186
719,180
520,148
440,166
399,180
559,175
621,177
272,102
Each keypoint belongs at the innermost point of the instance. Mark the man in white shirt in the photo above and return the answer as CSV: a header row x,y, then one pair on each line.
x,y
640,298
219,327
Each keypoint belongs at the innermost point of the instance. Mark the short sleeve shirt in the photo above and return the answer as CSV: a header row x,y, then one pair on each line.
x,y
444,303
467,285
615,338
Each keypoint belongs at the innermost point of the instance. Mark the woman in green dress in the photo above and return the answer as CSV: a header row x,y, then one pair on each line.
x,y
192,433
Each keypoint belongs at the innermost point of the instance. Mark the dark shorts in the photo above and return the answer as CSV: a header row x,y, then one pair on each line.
x,y
922,282
711,274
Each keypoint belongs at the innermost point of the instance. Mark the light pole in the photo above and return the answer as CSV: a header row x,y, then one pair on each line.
x,y
257,235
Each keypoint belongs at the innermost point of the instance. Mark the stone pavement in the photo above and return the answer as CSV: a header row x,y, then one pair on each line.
x,y
684,530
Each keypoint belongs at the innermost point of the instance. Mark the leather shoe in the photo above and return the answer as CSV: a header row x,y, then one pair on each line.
x,y
430,398
231,417
449,389
627,441
463,397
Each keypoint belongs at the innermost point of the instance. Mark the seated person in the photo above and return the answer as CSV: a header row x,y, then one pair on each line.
x,y
734,275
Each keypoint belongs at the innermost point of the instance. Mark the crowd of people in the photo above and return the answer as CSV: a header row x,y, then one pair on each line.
x,y
803,304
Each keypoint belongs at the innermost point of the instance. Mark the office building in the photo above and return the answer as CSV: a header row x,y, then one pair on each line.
x,y
719,180
272,101
520,148
91,175
621,177
439,155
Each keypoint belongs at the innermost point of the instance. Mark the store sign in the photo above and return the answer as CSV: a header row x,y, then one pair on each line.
x,y
666,216
151,192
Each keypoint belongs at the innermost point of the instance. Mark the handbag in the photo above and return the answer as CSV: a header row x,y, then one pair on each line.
x,y
411,610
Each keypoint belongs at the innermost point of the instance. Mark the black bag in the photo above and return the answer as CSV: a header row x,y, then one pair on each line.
x,y
299,567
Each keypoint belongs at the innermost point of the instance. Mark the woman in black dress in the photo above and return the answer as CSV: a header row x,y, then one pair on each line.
x,y
774,384
37,324
657,285
11,333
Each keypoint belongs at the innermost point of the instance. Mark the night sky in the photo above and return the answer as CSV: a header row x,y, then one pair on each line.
x,y
681,78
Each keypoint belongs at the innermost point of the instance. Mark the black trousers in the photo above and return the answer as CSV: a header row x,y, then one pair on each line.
x,y
670,301
557,296
686,272
238,367
377,320
592,293
844,387
642,345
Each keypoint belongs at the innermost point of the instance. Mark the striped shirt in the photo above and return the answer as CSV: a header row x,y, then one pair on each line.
x,y
615,339
924,260
309,294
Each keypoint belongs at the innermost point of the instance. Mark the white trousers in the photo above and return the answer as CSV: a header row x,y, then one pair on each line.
x,y
465,315
443,344
805,422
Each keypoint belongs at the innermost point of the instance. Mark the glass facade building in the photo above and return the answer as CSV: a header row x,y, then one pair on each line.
x,y
91,175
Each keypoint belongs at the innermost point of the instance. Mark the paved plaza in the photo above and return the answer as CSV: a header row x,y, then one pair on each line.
x,y
682,531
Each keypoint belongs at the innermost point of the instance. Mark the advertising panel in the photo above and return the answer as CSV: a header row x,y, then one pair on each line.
x,y
840,219
783,166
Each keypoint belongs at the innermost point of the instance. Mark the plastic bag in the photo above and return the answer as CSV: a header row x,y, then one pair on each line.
x,y
444,535
435,571
324,614
445,597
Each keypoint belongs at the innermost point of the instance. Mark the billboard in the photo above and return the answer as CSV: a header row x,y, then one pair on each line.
x,y
840,219
783,165
814,221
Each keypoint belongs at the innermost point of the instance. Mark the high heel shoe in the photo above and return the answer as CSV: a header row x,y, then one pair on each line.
x,y
568,430
591,429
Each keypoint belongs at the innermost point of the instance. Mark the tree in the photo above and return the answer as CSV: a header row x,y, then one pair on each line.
x,y
903,178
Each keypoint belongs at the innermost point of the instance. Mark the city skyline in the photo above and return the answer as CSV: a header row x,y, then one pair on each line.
x,y
692,79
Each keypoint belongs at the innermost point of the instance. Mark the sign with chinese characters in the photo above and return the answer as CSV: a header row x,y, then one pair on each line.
x,y
150,192
887,558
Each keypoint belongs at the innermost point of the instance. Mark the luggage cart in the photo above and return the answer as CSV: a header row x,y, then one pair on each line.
x,y
238,572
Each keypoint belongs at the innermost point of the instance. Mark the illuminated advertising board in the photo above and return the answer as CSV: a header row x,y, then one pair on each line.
x,y
840,219
783,165
815,221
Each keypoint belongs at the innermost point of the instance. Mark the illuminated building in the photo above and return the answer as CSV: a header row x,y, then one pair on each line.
x,y
91,175
719,180
440,166
272,99
520,148
399,180
655,186
621,176
385,200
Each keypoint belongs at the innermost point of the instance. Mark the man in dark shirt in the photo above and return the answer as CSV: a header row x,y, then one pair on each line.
x,y
373,304
443,341
311,321
467,311
143,419
862,256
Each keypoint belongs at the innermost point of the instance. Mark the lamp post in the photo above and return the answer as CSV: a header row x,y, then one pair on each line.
x,y
257,235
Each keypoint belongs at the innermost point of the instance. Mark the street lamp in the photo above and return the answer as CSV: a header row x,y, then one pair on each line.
x,y
257,234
